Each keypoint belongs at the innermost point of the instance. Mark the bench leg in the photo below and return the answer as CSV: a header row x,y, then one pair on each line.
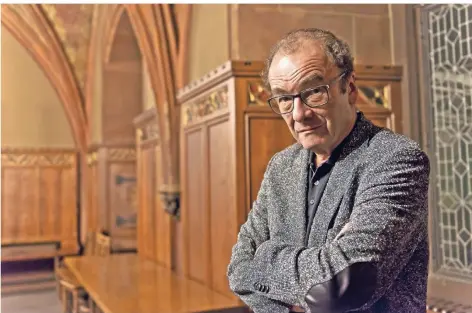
x,y
65,300
75,301
59,290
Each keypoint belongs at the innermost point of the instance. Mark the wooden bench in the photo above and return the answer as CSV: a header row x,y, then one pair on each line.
x,y
71,292
25,265
127,283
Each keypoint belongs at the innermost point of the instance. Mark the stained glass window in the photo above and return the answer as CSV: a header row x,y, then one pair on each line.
x,y
450,61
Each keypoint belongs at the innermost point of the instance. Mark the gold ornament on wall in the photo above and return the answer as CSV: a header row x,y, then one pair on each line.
x,y
206,105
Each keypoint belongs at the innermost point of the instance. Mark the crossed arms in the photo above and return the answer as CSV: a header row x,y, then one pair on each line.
x,y
387,222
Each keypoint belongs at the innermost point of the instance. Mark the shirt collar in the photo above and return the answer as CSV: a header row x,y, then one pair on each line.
x,y
339,150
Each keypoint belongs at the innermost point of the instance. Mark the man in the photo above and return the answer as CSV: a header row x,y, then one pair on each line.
x,y
340,221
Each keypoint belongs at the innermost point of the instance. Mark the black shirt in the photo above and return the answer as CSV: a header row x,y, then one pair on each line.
x,y
317,180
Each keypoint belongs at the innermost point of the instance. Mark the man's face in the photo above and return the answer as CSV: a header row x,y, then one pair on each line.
x,y
319,129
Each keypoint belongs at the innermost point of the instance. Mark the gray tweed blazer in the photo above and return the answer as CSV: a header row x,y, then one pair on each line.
x,y
367,249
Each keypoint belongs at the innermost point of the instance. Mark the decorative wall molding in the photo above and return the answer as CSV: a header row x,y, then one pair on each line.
x,y
38,157
209,103
91,158
151,131
37,160
146,125
211,79
122,154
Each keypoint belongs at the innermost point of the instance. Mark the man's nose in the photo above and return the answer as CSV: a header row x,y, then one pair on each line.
x,y
299,110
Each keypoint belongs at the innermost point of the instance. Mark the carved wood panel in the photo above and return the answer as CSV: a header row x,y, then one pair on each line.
x,y
39,197
155,227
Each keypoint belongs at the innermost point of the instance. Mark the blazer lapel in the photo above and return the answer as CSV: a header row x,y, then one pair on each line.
x,y
299,189
339,180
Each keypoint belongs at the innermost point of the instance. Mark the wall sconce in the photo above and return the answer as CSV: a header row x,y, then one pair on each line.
x,y
170,197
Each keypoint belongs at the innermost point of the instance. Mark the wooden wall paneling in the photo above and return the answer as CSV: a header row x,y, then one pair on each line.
x,y
140,234
148,208
208,210
93,189
102,191
156,227
223,222
39,197
196,222
164,224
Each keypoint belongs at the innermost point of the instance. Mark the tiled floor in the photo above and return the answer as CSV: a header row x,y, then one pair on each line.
x,y
37,302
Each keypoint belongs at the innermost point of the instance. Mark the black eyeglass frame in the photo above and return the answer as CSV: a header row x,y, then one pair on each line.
x,y
298,95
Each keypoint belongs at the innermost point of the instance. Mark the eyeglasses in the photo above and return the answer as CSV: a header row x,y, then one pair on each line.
x,y
312,97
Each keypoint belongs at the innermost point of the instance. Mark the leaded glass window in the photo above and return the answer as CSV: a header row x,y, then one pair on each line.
x,y
449,41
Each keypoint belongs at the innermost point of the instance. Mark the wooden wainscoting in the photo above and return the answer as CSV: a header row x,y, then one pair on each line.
x,y
155,227
39,202
112,195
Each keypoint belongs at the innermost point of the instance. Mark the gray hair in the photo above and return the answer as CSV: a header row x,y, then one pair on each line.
x,y
336,49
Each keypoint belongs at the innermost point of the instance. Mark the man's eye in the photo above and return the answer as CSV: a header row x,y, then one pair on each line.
x,y
284,99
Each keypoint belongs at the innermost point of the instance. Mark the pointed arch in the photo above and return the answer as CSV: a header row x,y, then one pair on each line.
x,y
163,41
111,28
39,38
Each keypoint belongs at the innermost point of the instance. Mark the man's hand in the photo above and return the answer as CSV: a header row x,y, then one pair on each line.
x,y
343,230
297,309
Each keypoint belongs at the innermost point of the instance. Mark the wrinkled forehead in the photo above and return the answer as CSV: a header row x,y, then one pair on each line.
x,y
310,58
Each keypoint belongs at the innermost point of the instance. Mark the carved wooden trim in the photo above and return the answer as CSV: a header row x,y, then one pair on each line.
x,y
122,154
145,117
91,158
147,129
249,69
40,150
208,103
21,157
53,62
211,79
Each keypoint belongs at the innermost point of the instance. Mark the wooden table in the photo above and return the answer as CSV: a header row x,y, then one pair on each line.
x,y
127,284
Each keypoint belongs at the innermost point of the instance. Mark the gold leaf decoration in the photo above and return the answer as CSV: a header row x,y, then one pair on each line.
x,y
205,105
122,154
374,95
37,159
257,94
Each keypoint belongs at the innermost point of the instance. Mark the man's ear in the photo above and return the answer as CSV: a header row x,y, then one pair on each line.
x,y
352,89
